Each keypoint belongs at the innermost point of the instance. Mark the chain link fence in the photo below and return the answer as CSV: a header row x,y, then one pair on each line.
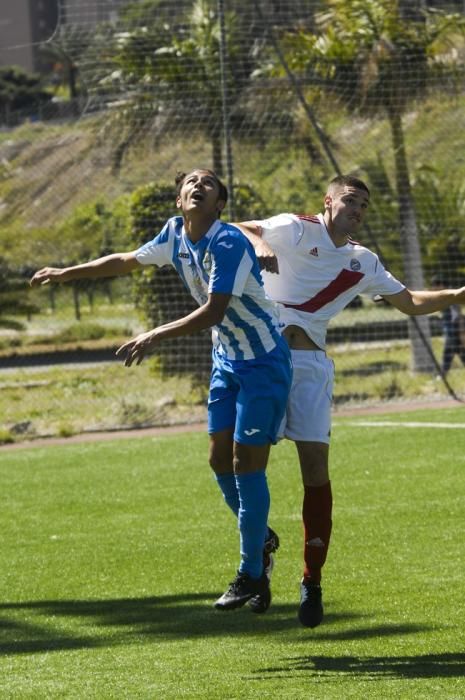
x,y
277,97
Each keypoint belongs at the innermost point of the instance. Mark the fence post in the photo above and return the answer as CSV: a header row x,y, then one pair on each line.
x,y
225,108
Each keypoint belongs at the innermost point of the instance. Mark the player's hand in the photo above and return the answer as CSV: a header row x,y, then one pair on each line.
x,y
47,275
266,257
137,348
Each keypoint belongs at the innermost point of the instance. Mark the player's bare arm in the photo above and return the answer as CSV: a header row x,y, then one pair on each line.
x,y
425,301
266,256
108,266
206,316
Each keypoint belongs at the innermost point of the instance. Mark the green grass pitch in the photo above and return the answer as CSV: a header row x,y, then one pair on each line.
x,y
112,554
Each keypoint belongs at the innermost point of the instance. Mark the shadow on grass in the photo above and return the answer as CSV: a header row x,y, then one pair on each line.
x,y
53,625
374,667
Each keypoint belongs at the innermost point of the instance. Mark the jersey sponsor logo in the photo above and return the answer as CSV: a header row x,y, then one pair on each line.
x,y
355,264
226,245
183,255
207,262
340,284
314,251
252,431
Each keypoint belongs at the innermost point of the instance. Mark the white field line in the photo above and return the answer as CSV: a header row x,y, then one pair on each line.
x,y
401,424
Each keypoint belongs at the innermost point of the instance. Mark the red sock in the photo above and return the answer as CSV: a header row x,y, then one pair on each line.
x,y
316,516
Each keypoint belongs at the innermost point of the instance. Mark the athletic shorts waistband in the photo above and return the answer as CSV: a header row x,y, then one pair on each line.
x,y
309,353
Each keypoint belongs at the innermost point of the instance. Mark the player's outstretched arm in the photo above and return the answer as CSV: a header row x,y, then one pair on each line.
x,y
108,266
425,301
265,254
206,316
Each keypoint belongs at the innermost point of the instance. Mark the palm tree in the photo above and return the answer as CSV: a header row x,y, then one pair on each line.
x,y
443,193
167,75
374,61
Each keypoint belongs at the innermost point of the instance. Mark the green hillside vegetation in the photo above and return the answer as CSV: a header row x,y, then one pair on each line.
x,y
49,171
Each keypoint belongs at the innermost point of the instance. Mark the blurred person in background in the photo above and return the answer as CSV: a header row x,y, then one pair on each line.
x,y
453,327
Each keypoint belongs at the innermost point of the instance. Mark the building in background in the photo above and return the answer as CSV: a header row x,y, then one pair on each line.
x,y
88,13
25,24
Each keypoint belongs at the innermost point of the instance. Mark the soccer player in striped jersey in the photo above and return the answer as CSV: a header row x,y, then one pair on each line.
x,y
252,371
320,269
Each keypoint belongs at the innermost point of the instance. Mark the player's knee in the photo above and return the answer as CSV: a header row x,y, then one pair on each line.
x,y
221,462
250,458
316,478
313,457
315,472
241,464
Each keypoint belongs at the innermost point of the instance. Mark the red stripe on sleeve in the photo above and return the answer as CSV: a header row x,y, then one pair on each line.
x,y
308,217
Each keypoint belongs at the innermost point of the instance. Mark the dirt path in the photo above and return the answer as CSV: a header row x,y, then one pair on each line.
x,y
202,426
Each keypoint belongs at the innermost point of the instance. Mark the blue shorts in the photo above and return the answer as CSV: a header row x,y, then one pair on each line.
x,y
250,396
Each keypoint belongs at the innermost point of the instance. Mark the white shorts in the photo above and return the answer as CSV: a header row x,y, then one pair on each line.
x,y
308,412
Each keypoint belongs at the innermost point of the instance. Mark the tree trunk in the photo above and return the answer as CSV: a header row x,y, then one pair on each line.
x,y
107,288
90,295
77,306
413,269
72,80
313,152
51,296
217,152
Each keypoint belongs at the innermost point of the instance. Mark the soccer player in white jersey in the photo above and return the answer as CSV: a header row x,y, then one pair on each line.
x,y
252,371
320,269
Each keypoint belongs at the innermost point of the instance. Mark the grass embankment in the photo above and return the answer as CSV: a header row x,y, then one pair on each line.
x,y
68,399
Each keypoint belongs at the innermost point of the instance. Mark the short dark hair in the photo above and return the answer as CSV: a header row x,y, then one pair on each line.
x,y
349,181
180,177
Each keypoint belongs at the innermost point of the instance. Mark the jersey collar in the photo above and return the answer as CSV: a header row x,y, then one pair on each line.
x,y
329,240
214,228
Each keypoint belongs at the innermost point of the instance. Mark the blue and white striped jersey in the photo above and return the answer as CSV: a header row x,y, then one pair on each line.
x,y
223,261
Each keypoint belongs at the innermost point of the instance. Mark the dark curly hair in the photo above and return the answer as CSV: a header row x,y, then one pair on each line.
x,y
180,177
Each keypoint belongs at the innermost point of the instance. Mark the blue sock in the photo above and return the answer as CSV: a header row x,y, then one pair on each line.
x,y
254,499
227,484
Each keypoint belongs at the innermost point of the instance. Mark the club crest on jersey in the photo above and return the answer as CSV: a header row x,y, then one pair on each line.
x,y
314,251
355,264
207,262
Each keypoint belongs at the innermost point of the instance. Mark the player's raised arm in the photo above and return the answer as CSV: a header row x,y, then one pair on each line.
x,y
264,252
108,266
206,316
425,301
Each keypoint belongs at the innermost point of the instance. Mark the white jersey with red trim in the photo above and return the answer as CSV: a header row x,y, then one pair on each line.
x,y
316,279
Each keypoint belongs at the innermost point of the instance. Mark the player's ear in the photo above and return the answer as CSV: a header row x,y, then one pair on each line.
x,y
178,201
220,205
328,201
